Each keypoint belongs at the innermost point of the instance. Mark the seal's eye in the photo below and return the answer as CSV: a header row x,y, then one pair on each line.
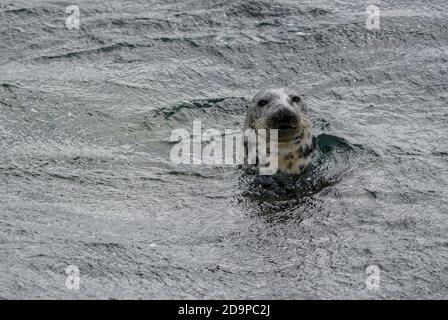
x,y
262,103
296,99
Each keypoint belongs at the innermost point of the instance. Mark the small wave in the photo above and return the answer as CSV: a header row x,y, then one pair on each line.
x,y
199,104
271,9
102,49
38,11
9,86
216,111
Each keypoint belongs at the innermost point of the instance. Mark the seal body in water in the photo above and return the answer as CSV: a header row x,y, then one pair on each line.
x,y
284,110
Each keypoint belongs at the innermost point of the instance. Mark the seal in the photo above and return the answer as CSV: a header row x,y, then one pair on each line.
x,y
284,110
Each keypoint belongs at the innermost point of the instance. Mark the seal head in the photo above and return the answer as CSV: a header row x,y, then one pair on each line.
x,y
284,110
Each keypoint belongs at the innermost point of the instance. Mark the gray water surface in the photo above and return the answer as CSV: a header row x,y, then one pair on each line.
x,y
86,178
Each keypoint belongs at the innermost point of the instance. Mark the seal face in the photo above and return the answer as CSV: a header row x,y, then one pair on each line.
x,y
284,110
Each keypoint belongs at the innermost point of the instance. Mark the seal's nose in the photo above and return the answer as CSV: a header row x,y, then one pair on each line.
x,y
284,117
